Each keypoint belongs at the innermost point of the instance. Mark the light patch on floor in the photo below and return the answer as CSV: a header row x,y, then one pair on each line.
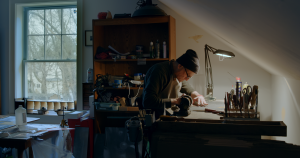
x,y
195,38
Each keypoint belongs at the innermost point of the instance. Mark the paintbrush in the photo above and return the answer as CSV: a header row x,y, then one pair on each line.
x,y
228,103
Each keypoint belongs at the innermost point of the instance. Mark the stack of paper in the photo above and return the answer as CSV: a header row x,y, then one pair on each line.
x,y
115,52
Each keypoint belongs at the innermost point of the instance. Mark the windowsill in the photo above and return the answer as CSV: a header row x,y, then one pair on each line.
x,y
49,113
53,118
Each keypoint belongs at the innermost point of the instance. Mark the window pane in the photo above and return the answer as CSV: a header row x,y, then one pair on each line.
x,y
69,21
53,47
35,22
51,80
35,48
69,46
53,21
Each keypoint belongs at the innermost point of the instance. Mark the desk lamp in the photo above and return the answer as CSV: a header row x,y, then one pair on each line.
x,y
208,69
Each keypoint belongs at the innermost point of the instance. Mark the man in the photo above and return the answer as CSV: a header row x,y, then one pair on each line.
x,y
165,80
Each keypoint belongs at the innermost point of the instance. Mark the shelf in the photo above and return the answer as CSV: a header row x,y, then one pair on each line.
x,y
118,60
123,88
117,112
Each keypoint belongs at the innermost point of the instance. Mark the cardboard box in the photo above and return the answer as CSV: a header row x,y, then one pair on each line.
x,y
123,108
135,108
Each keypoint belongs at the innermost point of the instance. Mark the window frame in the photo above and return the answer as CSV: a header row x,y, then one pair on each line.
x,y
25,42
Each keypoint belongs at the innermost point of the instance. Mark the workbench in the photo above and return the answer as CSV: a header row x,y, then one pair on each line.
x,y
203,134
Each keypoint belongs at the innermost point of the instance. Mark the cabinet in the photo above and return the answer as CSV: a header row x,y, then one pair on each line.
x,y
123,35
87,89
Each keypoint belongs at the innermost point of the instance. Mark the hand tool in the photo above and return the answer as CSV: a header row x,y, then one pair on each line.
x,y
228,103
247,96
254,94
186,102
241,105
225,106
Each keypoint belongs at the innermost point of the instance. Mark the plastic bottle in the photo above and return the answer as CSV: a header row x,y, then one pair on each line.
x,y
90,75
151,50
157,50
164,50
245,85
21,117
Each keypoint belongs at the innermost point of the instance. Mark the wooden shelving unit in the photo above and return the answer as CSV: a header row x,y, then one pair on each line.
x,y
124,88
123,35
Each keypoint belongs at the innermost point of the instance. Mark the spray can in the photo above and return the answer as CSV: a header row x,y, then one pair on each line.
x,y
238,91
164,50
89,76
157,50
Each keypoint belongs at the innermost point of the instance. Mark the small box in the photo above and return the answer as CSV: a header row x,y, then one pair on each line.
x,y
132,108
109,106
106,109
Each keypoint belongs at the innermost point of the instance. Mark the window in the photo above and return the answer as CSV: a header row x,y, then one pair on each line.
x,y
50,53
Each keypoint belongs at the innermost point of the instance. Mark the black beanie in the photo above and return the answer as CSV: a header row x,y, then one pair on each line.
x,y
189,60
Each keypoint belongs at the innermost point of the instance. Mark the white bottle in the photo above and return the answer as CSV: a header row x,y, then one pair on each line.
x,y
164,50
21,117
90,75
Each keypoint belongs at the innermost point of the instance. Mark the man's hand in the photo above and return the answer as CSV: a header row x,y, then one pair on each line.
x,y
199,101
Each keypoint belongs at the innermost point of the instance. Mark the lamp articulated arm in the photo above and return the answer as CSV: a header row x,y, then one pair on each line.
x,y
208,70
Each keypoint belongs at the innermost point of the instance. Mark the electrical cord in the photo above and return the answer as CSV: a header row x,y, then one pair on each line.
x,y
137,92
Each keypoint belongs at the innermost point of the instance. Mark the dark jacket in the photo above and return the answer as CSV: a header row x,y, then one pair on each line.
x,y
156,80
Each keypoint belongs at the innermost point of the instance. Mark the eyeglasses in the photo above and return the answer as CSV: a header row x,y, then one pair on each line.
x,y
187,74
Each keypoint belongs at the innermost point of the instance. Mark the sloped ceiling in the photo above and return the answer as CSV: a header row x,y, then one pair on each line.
x,y
265,31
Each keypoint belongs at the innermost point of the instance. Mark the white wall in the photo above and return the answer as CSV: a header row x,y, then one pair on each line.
x,y
285,106
91,8
238,66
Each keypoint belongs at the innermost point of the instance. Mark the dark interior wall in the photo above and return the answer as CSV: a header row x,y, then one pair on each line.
x,y
4,49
